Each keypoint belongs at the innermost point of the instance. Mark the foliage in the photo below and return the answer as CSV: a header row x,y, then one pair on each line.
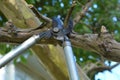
x,y
102,12
5,48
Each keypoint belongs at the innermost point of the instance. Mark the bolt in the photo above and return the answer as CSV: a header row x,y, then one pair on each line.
x,y
55,29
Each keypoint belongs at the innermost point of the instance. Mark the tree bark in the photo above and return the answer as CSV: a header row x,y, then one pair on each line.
x,y
102,44
19,12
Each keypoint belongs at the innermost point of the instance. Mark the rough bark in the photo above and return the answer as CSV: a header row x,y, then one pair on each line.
x,y
102,44
20,14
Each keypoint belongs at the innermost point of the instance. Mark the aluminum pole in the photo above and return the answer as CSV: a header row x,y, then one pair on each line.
x,y
17,51
73,72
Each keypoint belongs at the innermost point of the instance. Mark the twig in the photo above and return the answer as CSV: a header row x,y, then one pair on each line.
x,y
114,65
94,68
40,16
82,13
69,13
102,68
79,3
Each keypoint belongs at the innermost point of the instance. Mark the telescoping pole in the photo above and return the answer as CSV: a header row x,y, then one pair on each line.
x,y
17,51
73,72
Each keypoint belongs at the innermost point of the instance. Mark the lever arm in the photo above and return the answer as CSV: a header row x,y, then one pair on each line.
x,y
71,64
21,48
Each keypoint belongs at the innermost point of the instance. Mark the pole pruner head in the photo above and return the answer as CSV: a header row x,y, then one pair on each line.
x,y
58,30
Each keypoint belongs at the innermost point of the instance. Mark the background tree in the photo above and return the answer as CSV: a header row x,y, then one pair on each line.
x,y
93,45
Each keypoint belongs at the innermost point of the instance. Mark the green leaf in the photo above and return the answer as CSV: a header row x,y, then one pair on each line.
x,y
5,48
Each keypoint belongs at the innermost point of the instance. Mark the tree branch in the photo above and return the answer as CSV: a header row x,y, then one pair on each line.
x,y
102,44
19,12
82,13
40,16
95,69
69,13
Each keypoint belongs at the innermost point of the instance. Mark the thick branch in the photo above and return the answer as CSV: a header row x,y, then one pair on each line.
x,y
19,12
103,44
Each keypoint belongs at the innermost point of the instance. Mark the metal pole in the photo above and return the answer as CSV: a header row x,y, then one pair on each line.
x,y
73,72
17,51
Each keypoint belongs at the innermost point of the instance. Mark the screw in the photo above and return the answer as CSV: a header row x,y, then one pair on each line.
x,y
55,29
